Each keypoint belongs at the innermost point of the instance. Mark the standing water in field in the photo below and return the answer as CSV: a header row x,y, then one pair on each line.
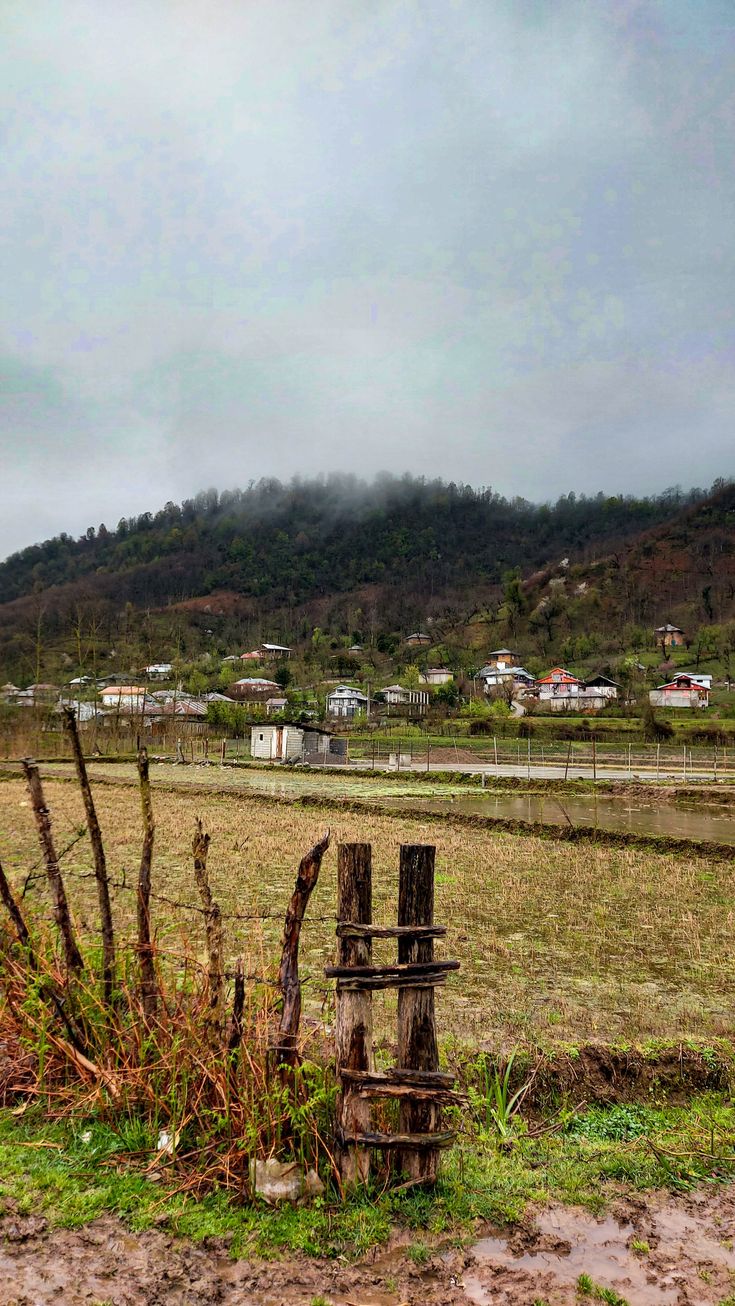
x,y
633,814
603,812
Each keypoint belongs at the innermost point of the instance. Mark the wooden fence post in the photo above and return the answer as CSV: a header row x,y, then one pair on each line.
x,y
98,848
62,915
354,1009
287,1048
215,1011
148,988
417,1042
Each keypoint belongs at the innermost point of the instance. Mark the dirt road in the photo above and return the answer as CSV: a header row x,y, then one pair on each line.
x,y
653,1251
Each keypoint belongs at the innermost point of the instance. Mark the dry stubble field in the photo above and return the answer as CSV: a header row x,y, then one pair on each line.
x,y
558,942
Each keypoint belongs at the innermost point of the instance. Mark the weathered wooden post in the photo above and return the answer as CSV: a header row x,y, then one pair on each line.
x,y
287,1047
148,987
417,1042
215,1011
100,863
62,915
354,1013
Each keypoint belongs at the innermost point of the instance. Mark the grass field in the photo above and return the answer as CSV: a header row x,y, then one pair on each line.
x,y
558,943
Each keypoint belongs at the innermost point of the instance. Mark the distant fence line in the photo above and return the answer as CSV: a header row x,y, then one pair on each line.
x,y
406,753
411,754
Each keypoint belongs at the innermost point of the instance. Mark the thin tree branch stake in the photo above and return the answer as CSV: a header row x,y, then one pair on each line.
x,y
16,917
288,974
47,988
215,944
62,916
149,992
238,1004
98,849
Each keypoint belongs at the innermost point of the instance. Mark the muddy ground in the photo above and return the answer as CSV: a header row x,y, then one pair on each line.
x,y
652,1250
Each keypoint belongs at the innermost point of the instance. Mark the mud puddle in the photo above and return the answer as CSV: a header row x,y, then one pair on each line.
x,y
650,1254
651,1251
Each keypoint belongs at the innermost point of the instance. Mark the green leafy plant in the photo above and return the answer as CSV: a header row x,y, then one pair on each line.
x,y
615,1124
499,1103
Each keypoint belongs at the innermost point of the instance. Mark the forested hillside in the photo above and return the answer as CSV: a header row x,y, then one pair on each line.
x,y
309,538
285,555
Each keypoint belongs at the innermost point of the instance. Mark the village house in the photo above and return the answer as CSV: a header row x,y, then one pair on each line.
x,y
596,692
267,653
345,701
124,698
494,675
418,639
435,676
275,705
669,636
682,691
254,689
561,691
43,692
502,658
603,686
415,700
275,651
23,698
38,695
184,707
558,689
84,712
159,671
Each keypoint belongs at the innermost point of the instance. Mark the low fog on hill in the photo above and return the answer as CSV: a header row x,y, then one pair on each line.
x,y
490,242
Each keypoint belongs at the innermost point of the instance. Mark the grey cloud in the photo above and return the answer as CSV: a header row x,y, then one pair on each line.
x,y
470,239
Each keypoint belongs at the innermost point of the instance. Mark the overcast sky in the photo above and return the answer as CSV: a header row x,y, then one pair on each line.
x,y
485,239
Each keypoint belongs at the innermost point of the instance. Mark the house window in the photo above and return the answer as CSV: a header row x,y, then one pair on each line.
x,y
261,737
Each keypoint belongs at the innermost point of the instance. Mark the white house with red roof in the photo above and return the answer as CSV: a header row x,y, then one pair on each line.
x,y
684,690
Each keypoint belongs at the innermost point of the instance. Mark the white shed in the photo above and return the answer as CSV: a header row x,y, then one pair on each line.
x,y
277,743
290,743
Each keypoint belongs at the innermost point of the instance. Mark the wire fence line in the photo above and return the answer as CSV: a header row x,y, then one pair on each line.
x,y
189,906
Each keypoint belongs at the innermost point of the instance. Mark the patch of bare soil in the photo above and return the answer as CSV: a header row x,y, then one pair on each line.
x,y
652,1251
105,1263
601,1073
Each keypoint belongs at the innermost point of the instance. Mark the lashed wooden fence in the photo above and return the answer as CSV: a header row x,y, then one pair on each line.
x,y
415,1081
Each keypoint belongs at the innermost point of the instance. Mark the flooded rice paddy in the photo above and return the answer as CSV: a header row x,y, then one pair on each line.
x,y
646,816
